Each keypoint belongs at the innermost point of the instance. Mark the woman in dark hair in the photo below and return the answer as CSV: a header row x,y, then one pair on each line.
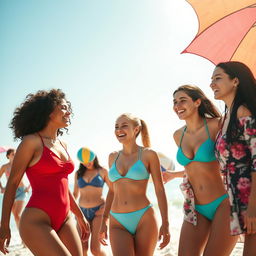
x,y
205,229
234,83
46,226
89,182
20,195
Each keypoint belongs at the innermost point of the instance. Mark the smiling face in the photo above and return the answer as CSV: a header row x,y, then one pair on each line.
x,y
184,106
224,88
61,115
125,130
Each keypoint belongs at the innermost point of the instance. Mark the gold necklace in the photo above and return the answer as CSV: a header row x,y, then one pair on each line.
x,y
50,139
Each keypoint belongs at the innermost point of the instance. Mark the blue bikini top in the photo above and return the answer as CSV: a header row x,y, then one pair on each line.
x,y
97,181
205,152
137,171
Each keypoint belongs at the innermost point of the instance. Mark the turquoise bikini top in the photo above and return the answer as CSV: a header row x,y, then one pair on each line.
x,y
97,181
205,152
137,171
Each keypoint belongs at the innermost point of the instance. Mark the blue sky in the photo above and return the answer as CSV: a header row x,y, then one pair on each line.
x,y
109,57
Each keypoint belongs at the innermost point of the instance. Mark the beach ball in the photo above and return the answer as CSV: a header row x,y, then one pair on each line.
x,y
85,155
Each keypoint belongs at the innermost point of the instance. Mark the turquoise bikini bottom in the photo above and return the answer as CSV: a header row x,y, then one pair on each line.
x,y
130,220
209,210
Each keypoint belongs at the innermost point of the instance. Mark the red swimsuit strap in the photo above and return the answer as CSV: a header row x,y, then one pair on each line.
x,y
41,138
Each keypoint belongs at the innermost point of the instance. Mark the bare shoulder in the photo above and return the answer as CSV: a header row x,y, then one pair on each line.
x,y
242,111
177,134
31,140
103,171
4,166
214,124
149,153
112,156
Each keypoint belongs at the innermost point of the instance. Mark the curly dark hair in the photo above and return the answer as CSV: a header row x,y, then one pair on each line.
x,y
34,113
245,93
82,169
206,108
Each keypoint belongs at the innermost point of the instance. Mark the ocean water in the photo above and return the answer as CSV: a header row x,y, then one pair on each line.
x,y
174,197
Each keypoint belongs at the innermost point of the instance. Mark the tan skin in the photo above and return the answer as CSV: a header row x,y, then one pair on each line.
x,y
90,197
35,225
224,89
126,195
18,205
207,237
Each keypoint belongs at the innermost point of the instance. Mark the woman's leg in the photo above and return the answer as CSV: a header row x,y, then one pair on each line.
x,y
220,242
85,244
17,210
96,247
250,245
38,235
122,242
193,238
70,237
146,234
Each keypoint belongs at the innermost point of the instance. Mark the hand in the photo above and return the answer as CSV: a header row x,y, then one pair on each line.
x,y
84,227
167,176
5,237
164,233
250,220
103,233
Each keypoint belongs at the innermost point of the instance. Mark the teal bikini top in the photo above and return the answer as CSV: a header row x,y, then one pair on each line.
x,y
205,152
137,171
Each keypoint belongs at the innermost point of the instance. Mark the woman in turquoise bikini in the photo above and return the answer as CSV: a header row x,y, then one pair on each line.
x,y
133,226
205,229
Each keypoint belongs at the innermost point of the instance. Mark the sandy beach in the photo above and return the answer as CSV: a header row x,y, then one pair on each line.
x,y
16,249
19,250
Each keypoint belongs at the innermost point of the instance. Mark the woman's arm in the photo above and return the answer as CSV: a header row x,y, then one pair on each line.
x,y
103,234
250,217
21,160
76,189
2,170
82,222
154,167
105,177
170,175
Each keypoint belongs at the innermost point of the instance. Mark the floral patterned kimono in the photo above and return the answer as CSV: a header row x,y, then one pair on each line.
x,y
238,161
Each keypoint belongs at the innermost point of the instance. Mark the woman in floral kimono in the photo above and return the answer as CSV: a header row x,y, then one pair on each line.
x,y
234,83
205,229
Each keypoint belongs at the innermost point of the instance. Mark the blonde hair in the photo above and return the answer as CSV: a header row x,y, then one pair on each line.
x,y
143,128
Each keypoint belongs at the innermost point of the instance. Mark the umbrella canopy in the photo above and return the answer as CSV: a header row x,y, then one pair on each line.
x,y
227,31
3,149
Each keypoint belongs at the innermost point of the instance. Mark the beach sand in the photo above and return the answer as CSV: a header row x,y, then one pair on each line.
x,y
19,250
176,219
170,250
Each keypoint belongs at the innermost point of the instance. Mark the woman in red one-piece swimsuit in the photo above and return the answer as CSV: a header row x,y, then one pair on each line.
x,y
46,226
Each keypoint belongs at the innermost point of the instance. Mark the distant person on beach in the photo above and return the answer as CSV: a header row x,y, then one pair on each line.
x,y
89,181
19,201
205,229
133,226
234,84
46,226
